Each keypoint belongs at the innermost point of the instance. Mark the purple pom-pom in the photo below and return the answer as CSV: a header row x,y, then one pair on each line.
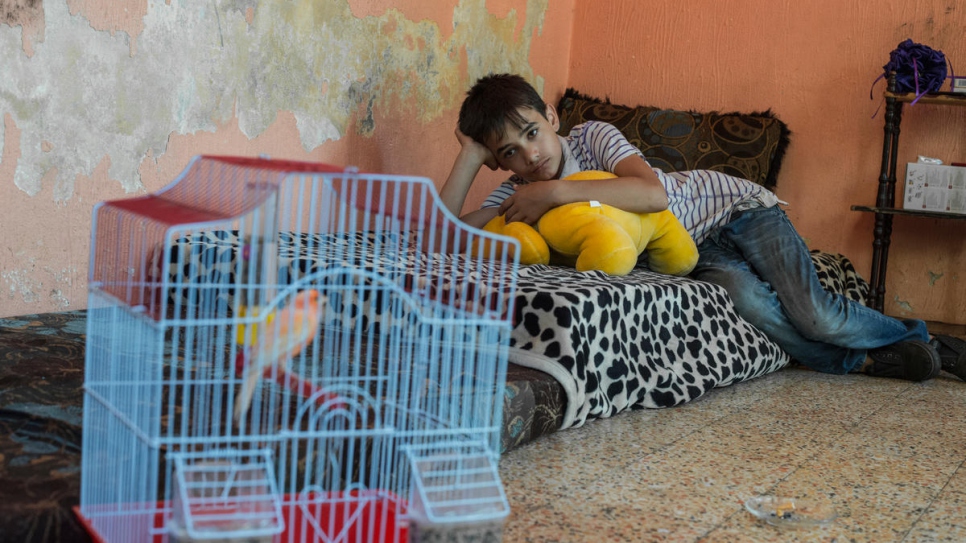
x,y
919,68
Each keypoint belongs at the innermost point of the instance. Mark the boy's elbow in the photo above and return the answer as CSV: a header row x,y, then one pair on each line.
x,y
658,201
656,194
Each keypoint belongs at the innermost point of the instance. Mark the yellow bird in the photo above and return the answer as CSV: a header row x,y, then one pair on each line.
x,y
296,325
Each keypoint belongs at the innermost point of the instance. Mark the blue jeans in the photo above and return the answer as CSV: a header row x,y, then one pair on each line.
x,y
765,266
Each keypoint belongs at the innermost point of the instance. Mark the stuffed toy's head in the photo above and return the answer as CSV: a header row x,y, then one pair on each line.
x,y
595,236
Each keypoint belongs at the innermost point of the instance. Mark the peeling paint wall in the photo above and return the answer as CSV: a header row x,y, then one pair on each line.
x,y
83,95
105,99
26,14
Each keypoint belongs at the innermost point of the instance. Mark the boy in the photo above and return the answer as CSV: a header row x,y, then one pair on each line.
x,y
504,124
745,241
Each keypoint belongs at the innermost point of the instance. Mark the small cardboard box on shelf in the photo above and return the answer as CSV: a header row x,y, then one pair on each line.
x,y
935,187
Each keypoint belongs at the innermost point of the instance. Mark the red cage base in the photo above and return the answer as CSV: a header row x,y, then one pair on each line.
x,y
356,519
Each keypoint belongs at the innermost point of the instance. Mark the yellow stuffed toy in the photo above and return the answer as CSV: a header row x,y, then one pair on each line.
x,y
593,236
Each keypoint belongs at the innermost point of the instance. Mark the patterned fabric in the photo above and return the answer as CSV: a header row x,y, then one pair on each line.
x,y
837,274
746,145
41,403
643,340
533,405
612,343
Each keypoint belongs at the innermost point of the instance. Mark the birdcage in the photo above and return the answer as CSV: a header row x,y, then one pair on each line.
x,y
288,351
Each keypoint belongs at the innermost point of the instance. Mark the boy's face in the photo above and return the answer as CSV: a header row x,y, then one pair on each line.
x,y
531,151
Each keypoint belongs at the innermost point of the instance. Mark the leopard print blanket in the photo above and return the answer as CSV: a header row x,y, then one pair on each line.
x,y
643,340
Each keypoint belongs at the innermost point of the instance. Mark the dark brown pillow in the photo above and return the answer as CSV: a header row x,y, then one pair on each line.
x,y
747,145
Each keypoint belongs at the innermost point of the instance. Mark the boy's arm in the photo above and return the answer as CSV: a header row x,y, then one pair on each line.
x,y
480,217
471,158
635,189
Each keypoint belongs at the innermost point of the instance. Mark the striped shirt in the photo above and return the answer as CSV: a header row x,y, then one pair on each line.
x,y
701,199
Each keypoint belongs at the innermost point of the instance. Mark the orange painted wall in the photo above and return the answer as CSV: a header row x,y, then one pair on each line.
x,y
813,64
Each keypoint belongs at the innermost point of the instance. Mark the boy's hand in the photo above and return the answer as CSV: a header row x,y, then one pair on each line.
x,y
471,158
477,151
529,202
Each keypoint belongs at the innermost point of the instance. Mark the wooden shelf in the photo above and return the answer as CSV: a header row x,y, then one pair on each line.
x,y
938,98
886,191
910,212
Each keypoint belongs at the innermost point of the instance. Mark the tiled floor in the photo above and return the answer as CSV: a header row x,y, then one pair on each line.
x,y
889,455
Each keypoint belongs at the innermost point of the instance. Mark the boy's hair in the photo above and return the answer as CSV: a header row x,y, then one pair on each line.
x,y
495,100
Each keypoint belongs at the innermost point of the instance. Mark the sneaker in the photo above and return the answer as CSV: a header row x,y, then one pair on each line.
x,y
909,360
952,352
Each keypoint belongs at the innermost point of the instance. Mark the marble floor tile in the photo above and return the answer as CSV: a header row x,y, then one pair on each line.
x,y
957,483
943,521
889,455
868,508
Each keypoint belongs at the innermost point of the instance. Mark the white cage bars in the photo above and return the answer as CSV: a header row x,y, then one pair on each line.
x,y
272,345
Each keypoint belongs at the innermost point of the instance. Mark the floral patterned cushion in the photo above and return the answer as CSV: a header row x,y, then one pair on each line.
x,y
746,145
